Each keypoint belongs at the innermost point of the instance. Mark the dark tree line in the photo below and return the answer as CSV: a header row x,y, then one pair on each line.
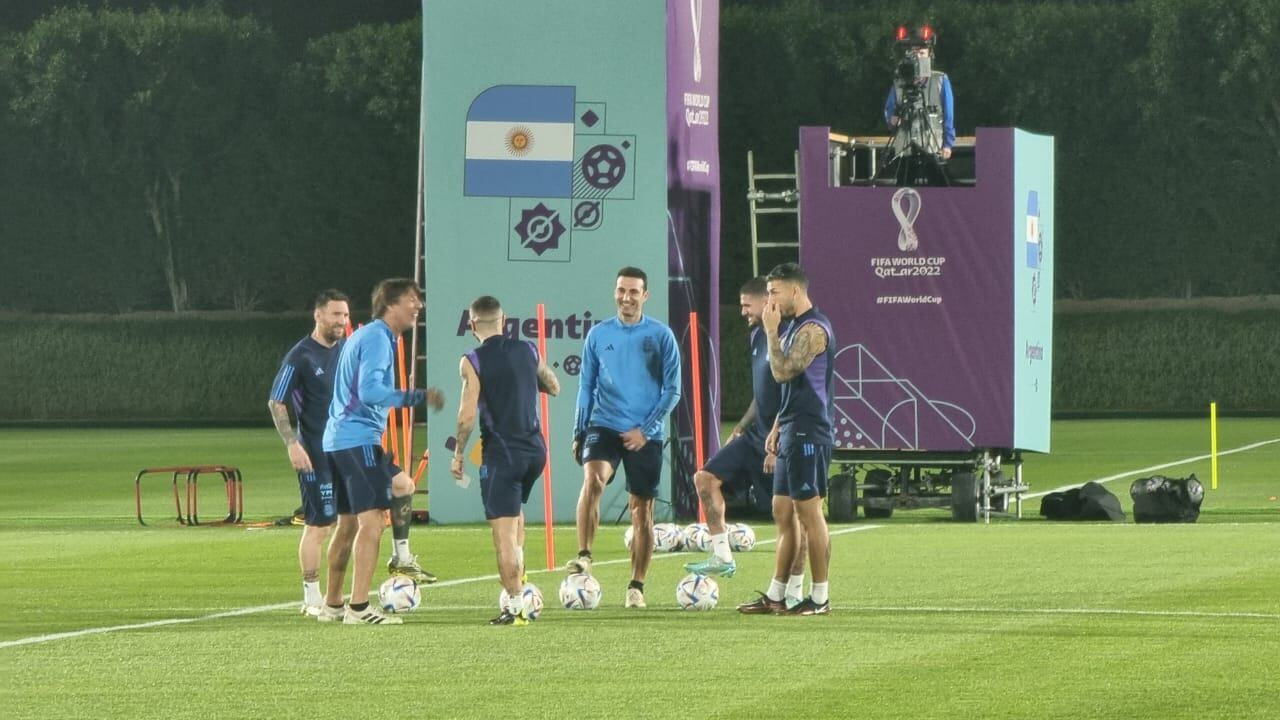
x,y
203,157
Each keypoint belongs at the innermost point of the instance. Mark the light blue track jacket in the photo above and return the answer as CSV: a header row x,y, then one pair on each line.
x,y
364,389
630,377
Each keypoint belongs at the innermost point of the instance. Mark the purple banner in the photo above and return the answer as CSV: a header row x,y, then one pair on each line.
x,y
918,283
693,229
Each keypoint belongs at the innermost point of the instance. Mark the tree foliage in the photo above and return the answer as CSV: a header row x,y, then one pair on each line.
x,y
189,158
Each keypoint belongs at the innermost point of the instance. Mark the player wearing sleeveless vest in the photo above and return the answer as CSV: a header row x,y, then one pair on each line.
x,y
802,360
500,384
742,463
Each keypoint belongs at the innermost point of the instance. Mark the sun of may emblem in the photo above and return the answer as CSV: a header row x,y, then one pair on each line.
x,y
519,140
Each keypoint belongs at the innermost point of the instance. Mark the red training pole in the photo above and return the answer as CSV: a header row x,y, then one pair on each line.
x,y
696,388
547,506
406,417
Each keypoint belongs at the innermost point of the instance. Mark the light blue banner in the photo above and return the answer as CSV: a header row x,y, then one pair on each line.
x,y
1032,290
545,162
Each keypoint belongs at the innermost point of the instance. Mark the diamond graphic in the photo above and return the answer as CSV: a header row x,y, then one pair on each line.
x,y
626,144
590,118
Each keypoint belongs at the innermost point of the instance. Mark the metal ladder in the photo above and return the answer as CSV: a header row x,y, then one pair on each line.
x,y
781,197
417,339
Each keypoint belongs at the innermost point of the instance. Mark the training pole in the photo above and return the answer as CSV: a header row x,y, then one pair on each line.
x,y
406,421
696,387
1213,446
548,508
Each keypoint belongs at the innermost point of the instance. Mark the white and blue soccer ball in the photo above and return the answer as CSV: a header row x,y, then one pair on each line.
x,y
666,537
741,537
580,591
399,594
696,537
531,596
697,592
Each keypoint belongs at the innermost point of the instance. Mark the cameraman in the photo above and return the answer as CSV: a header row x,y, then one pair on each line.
x,y
934,86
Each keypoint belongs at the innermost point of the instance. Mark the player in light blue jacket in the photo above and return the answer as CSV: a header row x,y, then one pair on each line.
x,y
630,382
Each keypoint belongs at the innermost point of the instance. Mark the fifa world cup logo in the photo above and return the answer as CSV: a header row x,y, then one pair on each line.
x,y
695,9
906,208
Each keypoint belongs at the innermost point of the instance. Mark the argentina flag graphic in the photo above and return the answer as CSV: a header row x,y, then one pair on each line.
x,y
1033,230
520,142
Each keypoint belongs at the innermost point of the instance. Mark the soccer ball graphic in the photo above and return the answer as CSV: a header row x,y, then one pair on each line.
x,y
580,592
741,537
697,592
399,594
532,600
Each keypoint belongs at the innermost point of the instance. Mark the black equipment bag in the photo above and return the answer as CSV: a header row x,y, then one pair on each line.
x,y
1159,499
1088,502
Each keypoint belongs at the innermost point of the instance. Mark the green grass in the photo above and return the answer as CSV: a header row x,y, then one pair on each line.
x,y
1026,619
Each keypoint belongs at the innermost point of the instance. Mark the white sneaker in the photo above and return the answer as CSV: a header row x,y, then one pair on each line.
x,y
331,614
580,564
635,599
310,610
369,616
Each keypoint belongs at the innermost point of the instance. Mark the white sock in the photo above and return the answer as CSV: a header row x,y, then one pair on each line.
x,y
776,590
720,546
515,603
311,593
819,592
402,551
795,586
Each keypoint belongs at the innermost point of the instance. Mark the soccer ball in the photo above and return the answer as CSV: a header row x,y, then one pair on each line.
x,y
532,600
580,592
696,537
399,594
741,537
666,537
697,592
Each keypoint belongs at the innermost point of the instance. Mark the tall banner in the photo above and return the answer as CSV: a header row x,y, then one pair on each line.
x,y
693,200
940,297
547,168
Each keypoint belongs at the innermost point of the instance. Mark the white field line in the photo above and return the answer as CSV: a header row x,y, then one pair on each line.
x,y
1153,468
71,634
1069,611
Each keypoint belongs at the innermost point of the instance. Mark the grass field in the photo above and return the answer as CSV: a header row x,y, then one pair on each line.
x,y
1018,619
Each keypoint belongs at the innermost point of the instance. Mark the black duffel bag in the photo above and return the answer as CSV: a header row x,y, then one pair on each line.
x,y
1091,501
1159,499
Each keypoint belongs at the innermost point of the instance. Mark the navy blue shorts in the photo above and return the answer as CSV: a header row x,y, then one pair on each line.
x,y
643,467
316,488
738,465
801,471
507,479
362,479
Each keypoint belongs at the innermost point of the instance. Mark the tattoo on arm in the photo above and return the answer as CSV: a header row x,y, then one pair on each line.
x,y
810,340
280,416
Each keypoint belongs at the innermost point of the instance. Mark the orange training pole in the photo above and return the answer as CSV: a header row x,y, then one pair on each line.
x,y
391,438
547,506
406,421
699,453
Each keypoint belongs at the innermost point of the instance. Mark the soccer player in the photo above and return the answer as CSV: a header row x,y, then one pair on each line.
x,y
743,461
363,392
500,383
304,384
802,359
629,383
